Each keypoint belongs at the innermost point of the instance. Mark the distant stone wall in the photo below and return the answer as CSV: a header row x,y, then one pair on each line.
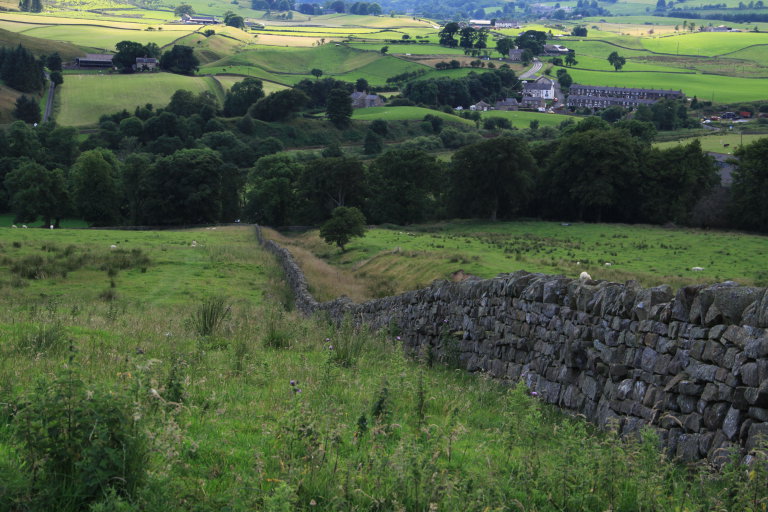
x,y
694,365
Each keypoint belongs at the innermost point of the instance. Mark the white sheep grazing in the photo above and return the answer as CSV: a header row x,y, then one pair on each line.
x,y
585,277
113,246
608,263
51,226
697,269
194,243
24,226
14,226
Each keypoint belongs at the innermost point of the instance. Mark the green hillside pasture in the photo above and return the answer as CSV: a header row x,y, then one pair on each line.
x,y
106,37
224,259
733,67
353,20
602,64
717,143
522,120
413,49
705,43
86,97
721,89
758,54
17,26
412,258
379,70
227,81
329,58
254,71
39,46
663,20
404,114
296,40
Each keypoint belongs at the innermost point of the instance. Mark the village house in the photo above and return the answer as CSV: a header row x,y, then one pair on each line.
x,y
532,102
145,64
480,106
516,55
555,49
365,100
599,97
95,60
542,87
507,104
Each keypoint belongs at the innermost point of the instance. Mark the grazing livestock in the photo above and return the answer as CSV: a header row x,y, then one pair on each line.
x,y
697,269
585,276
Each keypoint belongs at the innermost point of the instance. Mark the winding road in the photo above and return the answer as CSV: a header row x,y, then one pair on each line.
x,y
49,103
531,73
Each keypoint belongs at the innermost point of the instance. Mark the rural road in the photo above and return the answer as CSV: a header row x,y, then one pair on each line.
x,y
49,103
531,73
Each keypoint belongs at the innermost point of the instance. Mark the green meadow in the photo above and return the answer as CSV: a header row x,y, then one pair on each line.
x,y
413,49
404,114
721,142
107,37
411,257
705,43
717,88
522,119
83,98
220,399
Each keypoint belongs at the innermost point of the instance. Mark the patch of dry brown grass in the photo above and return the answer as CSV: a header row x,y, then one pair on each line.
x,y
326,282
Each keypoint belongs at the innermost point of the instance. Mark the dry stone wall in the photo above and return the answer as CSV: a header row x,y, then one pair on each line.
x,y
694,365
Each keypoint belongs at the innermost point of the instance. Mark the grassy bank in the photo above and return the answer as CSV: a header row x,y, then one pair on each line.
x,y
237,405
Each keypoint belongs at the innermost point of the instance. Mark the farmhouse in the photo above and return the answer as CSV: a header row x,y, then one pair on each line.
x,y
480,106
597,97
516,55
145,64
95,60
543,88
507,104
365,100
479,23
198,20
555,49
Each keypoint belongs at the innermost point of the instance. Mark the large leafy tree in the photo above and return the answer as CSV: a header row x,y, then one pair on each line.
x,y
271,196
127,53
279,105
27,109
242,95
339,108
35,191
345,223
180,59
505,44
533,40
95,184
327,183
407,184
616,60
593,174
674,180
184,188
448,34
492,178
749,192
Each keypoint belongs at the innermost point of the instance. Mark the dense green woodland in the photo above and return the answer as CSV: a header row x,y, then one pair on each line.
x,y
184,165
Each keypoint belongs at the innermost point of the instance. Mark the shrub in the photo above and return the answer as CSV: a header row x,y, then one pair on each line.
x,y
210,315
82,442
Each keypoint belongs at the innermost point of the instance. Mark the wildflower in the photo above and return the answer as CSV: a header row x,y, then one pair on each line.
x,y
330,347
534,393
293,382
398,338
327,340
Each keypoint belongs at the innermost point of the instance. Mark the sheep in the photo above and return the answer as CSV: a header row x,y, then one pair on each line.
x,y
697,269
51,226
24,226
608,263
194,243
113,246
585,276
14,226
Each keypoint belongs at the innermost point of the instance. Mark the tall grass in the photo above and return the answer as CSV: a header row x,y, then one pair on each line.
x,y
210,315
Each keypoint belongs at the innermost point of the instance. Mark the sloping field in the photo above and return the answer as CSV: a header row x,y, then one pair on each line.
x,y
404,114
39,46
227,81
522,120
758,54
705,43
722,89
413,49
8,99
107,37
86,97
286,40
721,142
329,58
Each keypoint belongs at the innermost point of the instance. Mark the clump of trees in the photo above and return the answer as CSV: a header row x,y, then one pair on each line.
x,y
21,70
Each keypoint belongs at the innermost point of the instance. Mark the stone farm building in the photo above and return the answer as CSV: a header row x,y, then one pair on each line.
x,y
542,87
365,100
507,104
145,64
598,97
95,60
199,20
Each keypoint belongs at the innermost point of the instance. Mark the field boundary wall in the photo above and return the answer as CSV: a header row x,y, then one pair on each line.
x,y
692,364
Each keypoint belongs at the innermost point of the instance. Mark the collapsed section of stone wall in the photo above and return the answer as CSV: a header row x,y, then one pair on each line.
x,y
694,365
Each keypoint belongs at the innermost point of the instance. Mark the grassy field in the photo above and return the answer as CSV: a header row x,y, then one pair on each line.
x,y
413,257
719,143
717,88
227,81
705,43
38,46
107,37
522,120
273,412
404,114
86,97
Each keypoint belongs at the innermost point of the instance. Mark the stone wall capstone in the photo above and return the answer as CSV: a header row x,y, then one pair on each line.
x,y
694,365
